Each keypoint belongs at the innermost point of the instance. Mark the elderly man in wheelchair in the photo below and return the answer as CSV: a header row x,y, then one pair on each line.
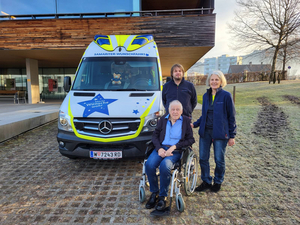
x,y
171,150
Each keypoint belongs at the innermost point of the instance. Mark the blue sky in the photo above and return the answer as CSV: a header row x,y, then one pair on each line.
x,y
225,13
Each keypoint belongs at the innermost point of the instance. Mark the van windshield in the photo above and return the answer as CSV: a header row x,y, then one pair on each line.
x,y
121,74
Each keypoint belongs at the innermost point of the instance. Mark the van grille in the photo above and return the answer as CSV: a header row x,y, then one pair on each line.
x,y
106,128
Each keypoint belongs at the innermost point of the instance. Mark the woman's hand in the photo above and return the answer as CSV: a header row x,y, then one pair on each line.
x,y
192,125
231,142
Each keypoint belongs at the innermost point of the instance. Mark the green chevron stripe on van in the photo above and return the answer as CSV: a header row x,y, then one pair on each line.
x,y
110,139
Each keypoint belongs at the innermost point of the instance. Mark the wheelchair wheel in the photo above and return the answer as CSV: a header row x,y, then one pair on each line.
x,y
142,195
180,203
190,173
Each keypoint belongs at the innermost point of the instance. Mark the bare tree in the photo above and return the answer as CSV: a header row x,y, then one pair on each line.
x,y
290,51
264,25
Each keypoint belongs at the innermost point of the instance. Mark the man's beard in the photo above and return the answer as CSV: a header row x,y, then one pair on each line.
x,y
177,78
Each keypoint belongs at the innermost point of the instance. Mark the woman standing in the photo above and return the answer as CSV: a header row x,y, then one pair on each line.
x,y
217,127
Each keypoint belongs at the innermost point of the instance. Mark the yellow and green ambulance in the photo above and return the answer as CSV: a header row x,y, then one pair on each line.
x,y
114,102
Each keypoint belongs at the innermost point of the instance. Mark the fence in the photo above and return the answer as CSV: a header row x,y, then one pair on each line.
x,y
239,77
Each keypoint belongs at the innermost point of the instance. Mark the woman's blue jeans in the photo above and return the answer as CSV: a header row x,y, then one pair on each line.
x,y
219,152
165,166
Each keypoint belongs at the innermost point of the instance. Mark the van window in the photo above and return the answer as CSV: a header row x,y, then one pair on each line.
x,y
114,73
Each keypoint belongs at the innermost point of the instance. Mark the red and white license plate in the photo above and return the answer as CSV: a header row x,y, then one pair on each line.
x,y
106,155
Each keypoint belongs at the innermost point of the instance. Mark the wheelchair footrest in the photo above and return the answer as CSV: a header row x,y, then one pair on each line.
x,y
164,212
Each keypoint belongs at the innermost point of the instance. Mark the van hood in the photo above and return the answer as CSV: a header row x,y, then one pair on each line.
x,y
112,104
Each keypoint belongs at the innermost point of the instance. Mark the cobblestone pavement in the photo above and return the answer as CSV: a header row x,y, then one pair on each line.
x,y
39,186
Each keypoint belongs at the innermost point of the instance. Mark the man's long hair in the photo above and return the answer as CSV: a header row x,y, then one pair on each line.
x,y
178,66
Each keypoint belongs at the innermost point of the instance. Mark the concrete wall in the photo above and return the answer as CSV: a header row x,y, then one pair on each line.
x,y
32,71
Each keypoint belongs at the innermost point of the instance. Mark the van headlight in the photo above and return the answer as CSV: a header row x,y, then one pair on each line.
x,y
151,121
64,122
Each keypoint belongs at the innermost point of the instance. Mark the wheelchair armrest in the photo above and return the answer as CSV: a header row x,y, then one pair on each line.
x,y
149,143
184,149
149,149
178,151
185,152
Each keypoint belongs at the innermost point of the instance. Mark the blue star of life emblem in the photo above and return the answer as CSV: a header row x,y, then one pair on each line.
x,y
97,104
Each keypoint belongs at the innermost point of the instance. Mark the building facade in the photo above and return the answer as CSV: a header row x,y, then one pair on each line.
x,y
210,64
40,45
221,63
249,68
225,61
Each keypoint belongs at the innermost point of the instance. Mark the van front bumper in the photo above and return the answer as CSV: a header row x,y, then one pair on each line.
x,y
73,147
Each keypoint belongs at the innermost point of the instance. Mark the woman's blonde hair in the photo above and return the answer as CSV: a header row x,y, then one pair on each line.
x,y
220,75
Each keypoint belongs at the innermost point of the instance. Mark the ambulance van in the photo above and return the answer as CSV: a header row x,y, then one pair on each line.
x,y
114,102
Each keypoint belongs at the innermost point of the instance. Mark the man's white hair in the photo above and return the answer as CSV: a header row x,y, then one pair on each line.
x,y
175,102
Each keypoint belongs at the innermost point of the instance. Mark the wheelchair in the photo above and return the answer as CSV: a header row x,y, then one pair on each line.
x,y
184,172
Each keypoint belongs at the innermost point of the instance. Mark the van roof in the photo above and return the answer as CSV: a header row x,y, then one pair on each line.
x,y
130,42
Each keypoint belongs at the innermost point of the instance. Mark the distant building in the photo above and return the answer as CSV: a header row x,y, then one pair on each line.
x,y
266,57
249,68
196,69
221,63
258,57
225,61
210,64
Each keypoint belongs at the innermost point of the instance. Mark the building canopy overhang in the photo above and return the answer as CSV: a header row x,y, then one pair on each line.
x,y
184,32
67,58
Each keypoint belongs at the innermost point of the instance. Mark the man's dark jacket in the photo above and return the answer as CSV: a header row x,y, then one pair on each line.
x,y
186,140
185,92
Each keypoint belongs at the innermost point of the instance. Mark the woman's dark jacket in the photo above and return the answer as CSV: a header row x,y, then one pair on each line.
x,y
224,125
186,140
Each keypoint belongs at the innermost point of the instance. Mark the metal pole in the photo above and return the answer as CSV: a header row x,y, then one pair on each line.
x,y
234,94
55,7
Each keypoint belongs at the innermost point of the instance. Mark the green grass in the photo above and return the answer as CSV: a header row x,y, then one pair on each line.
x,y
248,108
265,166
247,93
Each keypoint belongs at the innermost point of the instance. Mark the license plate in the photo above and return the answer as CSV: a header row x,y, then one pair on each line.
x,y
106,155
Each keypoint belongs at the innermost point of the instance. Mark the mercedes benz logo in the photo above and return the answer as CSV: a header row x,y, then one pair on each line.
x,y
105,127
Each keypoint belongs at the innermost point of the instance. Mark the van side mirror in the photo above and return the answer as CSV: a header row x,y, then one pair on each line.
x,y
67,83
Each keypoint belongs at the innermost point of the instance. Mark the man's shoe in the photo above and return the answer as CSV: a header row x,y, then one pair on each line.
x,y
216,187
152,201
202,187
161,204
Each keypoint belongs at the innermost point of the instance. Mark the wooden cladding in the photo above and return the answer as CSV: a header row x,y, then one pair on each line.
x,y
168,31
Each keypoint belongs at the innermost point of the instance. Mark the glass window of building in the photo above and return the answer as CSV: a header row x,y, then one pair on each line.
x,y
25,7
51,82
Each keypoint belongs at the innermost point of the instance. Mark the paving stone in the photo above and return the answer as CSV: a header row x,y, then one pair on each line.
x,y
39,186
